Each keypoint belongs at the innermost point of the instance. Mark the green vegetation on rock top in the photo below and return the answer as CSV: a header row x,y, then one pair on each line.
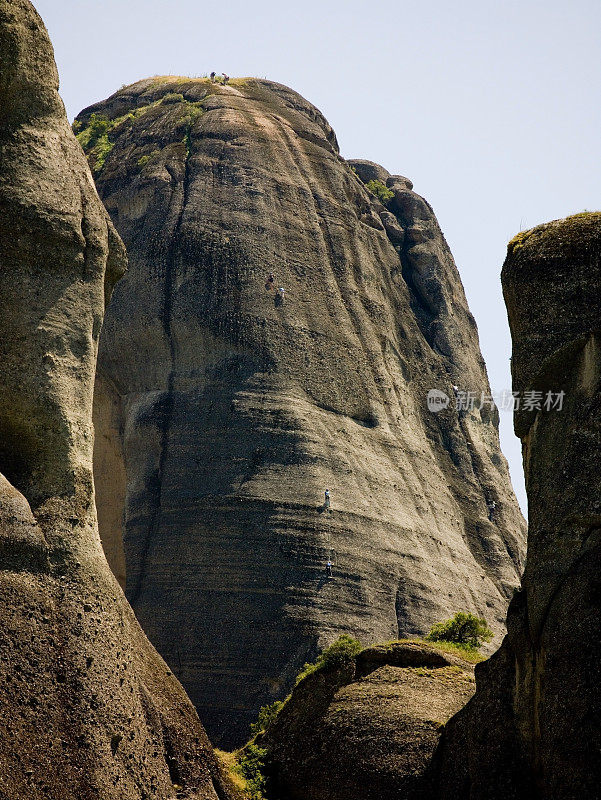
x,y
343,651
95,137
248,766
469,654
465,631
573,228
173,97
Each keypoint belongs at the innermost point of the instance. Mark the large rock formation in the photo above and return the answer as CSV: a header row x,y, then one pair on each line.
x,y
367,728
224,413
88,709
532,729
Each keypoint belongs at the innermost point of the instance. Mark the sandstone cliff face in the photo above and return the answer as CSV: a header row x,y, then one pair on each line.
x,y
366,730
223,413
532,730
88,709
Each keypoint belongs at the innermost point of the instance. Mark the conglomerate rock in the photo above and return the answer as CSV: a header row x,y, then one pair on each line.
x,y
88,709
223,411
532,729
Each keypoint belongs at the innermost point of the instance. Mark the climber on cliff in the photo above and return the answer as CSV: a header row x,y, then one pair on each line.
x,y
213,76
279,298
226,78
329,569
326,502
491,505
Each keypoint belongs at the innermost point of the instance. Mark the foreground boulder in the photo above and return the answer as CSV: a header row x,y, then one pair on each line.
x,y
223,411
366,729
88,709
532,729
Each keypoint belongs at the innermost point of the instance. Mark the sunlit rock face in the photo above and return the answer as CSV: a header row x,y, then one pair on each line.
x,y
224,410
88,709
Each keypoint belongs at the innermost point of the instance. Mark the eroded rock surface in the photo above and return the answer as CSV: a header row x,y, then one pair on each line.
x,y
368,729
531,730
224,414
88,709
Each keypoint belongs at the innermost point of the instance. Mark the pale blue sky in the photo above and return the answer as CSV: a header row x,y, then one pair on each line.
x,y
491,108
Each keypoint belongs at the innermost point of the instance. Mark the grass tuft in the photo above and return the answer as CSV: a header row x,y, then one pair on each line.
x,y
572,227
247,767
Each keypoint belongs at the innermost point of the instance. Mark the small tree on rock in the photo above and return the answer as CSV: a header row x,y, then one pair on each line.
x,y
380,190
465,630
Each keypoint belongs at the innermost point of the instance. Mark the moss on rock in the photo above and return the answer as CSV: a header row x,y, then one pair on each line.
x,y
559,237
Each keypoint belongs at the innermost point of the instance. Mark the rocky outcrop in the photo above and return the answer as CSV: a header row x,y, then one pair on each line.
x,y
224,412
366,729
531,730
88,709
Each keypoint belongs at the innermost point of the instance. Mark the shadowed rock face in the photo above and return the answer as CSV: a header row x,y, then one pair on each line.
x,y
367,729
532,728
224,413
88,709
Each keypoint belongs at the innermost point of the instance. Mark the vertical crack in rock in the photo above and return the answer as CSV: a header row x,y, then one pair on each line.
x,y
167,409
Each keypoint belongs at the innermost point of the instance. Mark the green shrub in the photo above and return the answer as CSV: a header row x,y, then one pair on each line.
x,y
95,139
173,97
464,630
194,110
101,151
343,651
377,188
98,127
267,715
251,766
